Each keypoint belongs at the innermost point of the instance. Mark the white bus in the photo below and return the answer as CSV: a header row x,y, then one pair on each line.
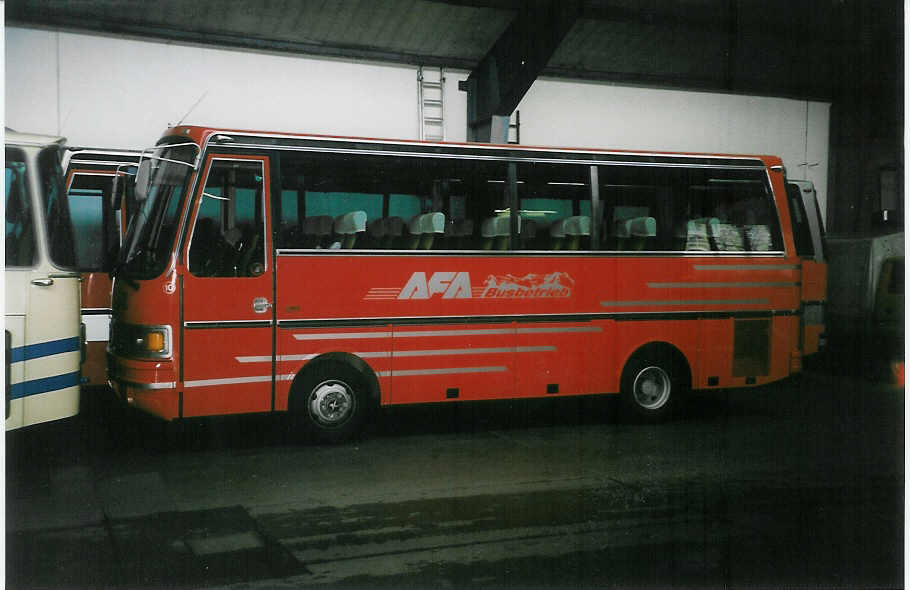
x,y
44,344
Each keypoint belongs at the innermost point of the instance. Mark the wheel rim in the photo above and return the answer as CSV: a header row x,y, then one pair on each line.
x,y
651,388
331,403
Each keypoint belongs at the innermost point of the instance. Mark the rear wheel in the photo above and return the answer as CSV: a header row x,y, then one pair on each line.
x,y
329,401
652,385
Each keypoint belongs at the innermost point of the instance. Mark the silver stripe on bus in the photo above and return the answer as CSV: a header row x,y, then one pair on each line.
x,y
743,285
454,351
686,302
558,330
745,266
252,323
137,385
403,353
450,371
228,381
342,335
455,332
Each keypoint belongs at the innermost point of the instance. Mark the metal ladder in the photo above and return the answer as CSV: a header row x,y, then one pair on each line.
x,y
431,103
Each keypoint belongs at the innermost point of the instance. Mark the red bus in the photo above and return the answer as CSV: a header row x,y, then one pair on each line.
x,y
100,219
326,276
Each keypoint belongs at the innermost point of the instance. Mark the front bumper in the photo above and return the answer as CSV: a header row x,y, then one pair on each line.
x,y
150,386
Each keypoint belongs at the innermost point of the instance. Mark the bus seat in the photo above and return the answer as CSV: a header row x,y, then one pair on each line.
x,y
458,233
528,234
557,234
375,233
423,228
635,232
496,232
700,233
576,228
759,238
728,237
348,225
316,229
394,229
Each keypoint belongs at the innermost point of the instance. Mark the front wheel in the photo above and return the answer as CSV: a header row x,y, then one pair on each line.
x,y
651,387
329,402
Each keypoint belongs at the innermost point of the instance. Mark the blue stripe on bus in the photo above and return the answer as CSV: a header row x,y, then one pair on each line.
x,y
34,351
36,386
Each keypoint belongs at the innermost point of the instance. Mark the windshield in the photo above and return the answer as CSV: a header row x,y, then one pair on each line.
x,y
61,244
150,236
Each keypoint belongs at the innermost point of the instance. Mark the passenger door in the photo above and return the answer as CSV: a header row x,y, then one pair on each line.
x,y
228,291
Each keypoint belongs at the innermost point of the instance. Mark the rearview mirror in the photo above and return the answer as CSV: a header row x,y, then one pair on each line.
x,y
143,176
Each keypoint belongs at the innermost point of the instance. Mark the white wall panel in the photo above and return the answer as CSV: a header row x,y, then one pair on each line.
x,y
122,93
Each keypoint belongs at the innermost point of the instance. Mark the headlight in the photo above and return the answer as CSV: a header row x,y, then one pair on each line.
x,y
131,340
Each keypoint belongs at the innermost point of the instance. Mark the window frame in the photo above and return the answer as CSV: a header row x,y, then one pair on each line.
x,y
195,207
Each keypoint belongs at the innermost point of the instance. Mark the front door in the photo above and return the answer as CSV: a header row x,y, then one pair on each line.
x,y
228,291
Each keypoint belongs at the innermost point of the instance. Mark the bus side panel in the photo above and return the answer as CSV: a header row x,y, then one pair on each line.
x,y
814,280
50,385
560,358
464,361
682,334
96,315
714,367
15,327
297,346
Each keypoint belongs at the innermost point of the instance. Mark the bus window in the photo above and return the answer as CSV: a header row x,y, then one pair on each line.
x,y
554,207
20,233
687,209
98,227
61,242
372,202
229,233
802,236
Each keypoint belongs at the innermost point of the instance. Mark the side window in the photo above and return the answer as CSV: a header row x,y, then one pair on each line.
x,y
20,229
636,208
363,201
61,242
651,208
554,206
98,228
802,234
228,237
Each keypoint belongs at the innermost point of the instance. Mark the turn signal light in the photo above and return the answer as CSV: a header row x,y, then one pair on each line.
x,y
154,342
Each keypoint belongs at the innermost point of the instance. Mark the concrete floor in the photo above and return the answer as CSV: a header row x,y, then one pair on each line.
x,y
796,484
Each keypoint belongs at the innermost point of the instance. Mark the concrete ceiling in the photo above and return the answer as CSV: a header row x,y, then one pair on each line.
x,y
771,47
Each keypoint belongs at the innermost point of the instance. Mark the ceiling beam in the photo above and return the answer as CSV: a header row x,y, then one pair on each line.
x,y
504,75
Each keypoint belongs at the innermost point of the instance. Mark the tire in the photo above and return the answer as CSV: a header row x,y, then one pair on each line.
x,y
329,402
652,385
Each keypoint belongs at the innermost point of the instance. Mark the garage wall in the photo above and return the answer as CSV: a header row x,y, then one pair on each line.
x,y
119,93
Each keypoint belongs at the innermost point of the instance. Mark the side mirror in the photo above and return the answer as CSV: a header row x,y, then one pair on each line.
x,y
143,175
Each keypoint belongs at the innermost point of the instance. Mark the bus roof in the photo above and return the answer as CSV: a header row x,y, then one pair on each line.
x,y
13,137
200,134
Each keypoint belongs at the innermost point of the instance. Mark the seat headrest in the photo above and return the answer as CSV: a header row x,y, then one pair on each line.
x,y
637,227
577,225
497,226
427,223
351,222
